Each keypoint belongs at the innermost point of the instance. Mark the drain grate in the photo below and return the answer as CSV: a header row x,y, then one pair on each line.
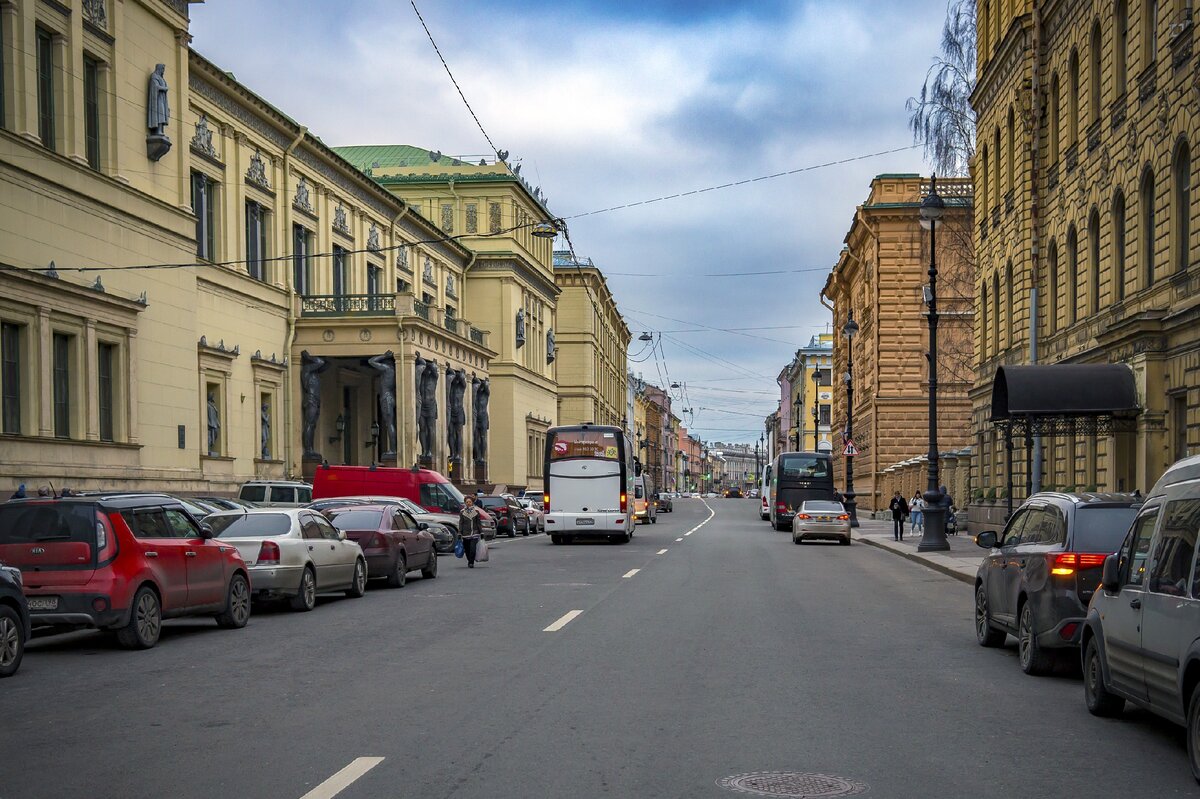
x,y
796,784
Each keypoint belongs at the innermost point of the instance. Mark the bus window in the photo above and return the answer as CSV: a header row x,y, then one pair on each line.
x,y
585,444
804,467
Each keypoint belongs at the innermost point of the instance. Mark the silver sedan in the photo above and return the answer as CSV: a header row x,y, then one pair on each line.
x,y
293,553
821,519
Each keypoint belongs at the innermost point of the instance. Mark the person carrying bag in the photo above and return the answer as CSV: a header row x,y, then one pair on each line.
x,y
470,530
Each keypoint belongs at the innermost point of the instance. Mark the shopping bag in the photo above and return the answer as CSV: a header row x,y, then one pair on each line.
x,y
481,552
458,548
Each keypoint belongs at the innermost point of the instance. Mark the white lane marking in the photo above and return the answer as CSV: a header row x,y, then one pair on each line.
x,y
563,622
630,573
689,532
661,552
711,514
677,540
344,778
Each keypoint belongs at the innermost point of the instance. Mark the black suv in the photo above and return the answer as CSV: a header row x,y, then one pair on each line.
x,y
14,621
510,516
1039,575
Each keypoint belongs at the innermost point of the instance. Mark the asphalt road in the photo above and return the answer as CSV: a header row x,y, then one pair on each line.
x,y
731,652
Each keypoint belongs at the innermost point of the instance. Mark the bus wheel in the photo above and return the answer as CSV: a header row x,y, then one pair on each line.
x,y
555,538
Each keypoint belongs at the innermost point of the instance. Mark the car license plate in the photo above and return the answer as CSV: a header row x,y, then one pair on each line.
x,y
43,603
822,518
585,521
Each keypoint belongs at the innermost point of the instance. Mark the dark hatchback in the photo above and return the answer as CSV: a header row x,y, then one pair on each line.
x,y
1040,573
14,620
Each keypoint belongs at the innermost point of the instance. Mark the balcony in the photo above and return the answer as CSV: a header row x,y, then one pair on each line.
x,y
1181,45
451,324
477,336
315,305
421,309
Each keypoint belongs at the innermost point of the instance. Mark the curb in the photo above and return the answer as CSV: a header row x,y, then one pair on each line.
x,y
916,558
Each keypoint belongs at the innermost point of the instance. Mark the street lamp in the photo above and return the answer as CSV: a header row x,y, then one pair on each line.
x,y
816,409
799,421
934,538
850,330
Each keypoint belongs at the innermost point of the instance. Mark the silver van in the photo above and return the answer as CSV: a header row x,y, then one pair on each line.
x,y
276,493
1141,639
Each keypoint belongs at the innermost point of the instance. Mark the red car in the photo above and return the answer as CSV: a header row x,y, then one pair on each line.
x,y
121,562
391,540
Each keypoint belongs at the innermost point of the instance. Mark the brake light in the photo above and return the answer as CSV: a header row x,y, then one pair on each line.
x,y
268,552
624,502
781,507
803,516
546,502
106,538
845,517
376,542
1066,563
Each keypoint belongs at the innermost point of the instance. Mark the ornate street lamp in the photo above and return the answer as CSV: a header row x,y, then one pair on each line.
x,y
799,422
850,330
934,538
816,410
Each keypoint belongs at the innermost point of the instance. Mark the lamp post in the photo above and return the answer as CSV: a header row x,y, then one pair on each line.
x,y
849,330
799,421
816,409
934,538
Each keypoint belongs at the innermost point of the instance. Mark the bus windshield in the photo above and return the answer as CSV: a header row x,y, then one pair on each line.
x,y
585,444
803,467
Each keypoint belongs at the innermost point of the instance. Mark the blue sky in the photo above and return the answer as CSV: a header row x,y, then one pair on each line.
x,y
613,102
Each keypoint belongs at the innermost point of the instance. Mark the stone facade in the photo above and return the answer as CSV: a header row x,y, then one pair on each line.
x,y
812,398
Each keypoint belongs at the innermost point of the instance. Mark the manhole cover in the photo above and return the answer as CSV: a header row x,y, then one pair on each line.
x,y
792,783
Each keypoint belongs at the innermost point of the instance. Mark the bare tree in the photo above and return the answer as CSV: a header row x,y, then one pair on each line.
x,y
941,117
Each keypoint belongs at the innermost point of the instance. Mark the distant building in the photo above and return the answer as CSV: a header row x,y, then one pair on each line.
x,y
805,386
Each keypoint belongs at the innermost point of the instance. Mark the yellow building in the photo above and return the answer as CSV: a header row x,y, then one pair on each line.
x,y
591,344
810,401
1087,229
509,286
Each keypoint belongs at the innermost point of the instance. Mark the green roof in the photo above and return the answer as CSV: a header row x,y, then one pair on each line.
x,y
383,156
897,175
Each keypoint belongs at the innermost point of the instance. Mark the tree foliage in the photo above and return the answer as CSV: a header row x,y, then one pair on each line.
x,y
941,117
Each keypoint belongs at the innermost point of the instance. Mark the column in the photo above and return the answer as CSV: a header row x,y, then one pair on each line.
x,y
45,359
132,432
90,382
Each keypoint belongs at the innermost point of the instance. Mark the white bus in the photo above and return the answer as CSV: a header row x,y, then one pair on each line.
x,y
589,478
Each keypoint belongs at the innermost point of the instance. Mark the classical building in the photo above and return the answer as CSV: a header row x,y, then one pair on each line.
x,y
509,286
805,386
879,279
1087,232
589,346
739,465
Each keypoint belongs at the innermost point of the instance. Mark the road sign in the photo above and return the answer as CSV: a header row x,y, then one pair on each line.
x,y
850,451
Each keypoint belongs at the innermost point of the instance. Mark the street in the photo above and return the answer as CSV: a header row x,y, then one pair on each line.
x,y
731,652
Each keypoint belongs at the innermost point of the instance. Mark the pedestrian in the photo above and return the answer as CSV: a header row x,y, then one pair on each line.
x,y
43,492
470,529
916,506
837,496
19,493
899,509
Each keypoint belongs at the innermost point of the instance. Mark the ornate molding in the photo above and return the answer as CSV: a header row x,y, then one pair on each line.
x,y
373,238
202,140
94,13
257,173
302,201
339,220
241,113
347,184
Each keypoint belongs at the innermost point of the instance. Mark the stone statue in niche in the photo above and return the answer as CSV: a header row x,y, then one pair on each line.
x,y
482,392
427,413
521,328
265,442
214,425
158,114
456,390
311,367
386,366
550,355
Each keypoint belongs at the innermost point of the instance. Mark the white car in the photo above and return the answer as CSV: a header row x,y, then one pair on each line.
x,y
293,553
533,508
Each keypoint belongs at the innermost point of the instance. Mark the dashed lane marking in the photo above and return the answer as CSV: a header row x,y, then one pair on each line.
x,y
677,540
343,779
661,552
630,573
566,619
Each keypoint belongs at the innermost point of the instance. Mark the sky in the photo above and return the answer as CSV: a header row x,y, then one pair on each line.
x,y
607,102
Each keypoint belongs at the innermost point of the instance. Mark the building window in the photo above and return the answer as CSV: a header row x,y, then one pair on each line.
x,y
1118,222
339,270
45,78
1072,275
1094,78
1179,426
203,190
10,377
1055,117
91,110
1012,151
106,362
256,240
1008,318
1094,262
301,259
403,286
996,310
984,196
1146,234
825,415
1052,297
1073,98
1181,214
1149,32
1121,47
374,275
61,370
996,182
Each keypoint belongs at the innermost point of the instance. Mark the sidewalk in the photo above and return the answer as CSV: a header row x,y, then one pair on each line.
x,y
961,561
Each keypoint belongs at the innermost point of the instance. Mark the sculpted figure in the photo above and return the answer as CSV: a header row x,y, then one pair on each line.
x,y
521,328
311,367
482,392
158,112
214,424
386,366
457,389
265,443
427,379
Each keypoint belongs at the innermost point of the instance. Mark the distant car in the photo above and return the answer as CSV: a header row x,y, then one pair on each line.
x,y
733,493
533,508
391,541
664,503
14,621
121,562
1039,575
712,494
223,503
818,519
293,553
442,526
510,516
752,493
276,493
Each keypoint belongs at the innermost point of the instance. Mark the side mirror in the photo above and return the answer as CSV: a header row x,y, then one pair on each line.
x,y
422,525
206,531
341,535
986,539
1110,575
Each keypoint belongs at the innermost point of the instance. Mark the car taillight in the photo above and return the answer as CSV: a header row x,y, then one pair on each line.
x,y
268,552
845,517
624,502
1066,563
803,516
106,539
781,507
546,502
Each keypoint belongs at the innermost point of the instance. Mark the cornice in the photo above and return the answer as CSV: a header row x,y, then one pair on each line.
x,y
510,263
1002,64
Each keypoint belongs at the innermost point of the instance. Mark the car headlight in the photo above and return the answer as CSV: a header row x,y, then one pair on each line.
x,y
15,572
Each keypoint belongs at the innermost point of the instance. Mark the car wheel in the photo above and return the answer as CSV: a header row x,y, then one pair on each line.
x,y
237,604
525,529
846,541
1193,733
985,633
1033,658
795,539
555,538
654,520
12,641
1102,703
430,570
512,531
145,621
399,575
306,598
358,585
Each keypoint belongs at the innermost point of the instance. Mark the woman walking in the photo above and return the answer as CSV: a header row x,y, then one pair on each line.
x,y
916,506
470,529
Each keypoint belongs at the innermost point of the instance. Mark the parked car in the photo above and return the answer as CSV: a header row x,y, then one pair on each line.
x,y
510,516
1039,574
427,488
752,493
293,553
14,621
276,493
533,509
224,503
442,526
391,541
664,504
1141,637
821,519
121,562
733,493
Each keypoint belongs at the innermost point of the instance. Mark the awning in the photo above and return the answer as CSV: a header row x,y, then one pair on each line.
x,y
1064,391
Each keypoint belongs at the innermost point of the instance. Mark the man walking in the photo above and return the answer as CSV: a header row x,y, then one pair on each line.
x,y
899,510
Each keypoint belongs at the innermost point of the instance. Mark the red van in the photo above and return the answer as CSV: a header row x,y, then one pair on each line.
x,y
427,488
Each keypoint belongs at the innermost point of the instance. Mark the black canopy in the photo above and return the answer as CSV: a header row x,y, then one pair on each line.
x,y
1063,390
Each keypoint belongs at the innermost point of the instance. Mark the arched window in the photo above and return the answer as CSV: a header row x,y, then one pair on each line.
x,y
1094,77
1072,275
1121,47
1073,98
1012,151
996,183
1009,323
983,322
1181,213
1146,233
1053,289
1055,117
1118,226
1094,262
996,309
1149,32
985,19
983,180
